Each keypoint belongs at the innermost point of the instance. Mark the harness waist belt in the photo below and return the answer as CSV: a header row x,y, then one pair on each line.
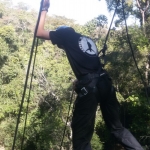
x,y
86,84
91,76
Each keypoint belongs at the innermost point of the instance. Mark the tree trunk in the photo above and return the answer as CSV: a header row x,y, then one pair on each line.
x,y
143,17
146,74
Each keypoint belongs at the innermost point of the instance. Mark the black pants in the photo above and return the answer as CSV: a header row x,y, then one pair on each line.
x,y
84,117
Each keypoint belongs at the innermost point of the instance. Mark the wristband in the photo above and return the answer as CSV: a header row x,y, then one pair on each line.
x,y
44,9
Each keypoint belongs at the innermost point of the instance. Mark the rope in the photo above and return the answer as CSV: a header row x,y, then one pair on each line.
x,y
67,118
106,39
26,80
111,22
130,45
29,96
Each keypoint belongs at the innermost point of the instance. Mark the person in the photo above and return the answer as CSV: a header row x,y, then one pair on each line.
x,y
93,86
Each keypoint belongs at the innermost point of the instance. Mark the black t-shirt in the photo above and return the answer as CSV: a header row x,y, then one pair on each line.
x,y
81,51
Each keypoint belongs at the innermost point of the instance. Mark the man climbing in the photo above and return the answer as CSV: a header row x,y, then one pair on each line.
x,y
93,86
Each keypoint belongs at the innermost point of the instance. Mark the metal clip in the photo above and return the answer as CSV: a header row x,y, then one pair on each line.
x,y
84,91
101,74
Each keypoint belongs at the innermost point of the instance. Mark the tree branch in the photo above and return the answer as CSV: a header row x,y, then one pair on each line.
x,y
147,6
139,6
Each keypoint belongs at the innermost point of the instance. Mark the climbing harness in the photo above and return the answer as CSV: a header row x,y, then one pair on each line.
x,y
87,83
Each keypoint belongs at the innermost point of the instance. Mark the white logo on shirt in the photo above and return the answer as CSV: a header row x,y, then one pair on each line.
x,y
88,46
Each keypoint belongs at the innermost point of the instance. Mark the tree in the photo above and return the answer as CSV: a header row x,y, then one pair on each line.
x,y
137,8
22,6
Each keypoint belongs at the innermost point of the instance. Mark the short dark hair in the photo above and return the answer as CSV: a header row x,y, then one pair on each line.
x,y
65,27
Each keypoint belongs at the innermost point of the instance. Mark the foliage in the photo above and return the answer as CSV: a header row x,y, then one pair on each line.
x,y
51,81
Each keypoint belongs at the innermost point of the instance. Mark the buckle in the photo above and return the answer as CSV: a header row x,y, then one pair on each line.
x,y
101,74
84,91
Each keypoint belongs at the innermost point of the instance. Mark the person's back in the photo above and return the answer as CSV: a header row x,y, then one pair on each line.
x,y
81,51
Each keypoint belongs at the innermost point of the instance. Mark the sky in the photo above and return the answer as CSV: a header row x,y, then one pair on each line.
x,y
79,10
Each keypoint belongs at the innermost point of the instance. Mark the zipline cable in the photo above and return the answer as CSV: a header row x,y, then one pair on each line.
x,y
29,96
71,99
130,45
106,39
27,75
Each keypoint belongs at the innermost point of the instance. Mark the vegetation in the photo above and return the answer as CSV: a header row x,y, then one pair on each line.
x,y
47,101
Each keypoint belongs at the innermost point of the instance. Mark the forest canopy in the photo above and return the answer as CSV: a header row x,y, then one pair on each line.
x,y
50,94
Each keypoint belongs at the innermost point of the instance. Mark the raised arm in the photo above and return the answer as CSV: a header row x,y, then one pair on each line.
x,y
41,32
